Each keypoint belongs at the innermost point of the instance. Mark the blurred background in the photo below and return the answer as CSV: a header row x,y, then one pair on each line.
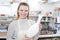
x,y
51,9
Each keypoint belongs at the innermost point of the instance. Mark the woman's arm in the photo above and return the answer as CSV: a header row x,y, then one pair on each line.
x,y
33,30
10,32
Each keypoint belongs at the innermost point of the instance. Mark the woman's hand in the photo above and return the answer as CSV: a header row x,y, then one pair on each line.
x,y
27,38
40,26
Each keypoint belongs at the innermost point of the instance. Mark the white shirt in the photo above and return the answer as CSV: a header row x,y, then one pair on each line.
x,y
17,28
23,26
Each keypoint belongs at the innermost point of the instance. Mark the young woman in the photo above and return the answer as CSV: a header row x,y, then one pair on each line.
x,y
18,28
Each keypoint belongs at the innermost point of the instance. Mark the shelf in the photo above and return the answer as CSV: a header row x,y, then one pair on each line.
x,y
5,21
38,16
3,36
6,17
52,35
57,23
33,16
53,1
46,21
3,30
50,2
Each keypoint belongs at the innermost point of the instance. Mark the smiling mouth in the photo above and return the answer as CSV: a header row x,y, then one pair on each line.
x,y
24,14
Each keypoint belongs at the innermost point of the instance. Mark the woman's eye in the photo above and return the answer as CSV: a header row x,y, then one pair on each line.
x,y
21,10
26,10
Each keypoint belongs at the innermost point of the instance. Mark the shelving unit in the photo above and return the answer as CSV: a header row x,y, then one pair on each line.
x,y
48,32
51,23
6,8
48,20
49,37
4,23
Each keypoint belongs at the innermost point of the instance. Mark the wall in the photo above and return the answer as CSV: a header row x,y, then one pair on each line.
x,y
34,6
49,7
5,10
9,10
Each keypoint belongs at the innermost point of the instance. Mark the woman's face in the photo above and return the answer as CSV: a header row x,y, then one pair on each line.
x,y
23,11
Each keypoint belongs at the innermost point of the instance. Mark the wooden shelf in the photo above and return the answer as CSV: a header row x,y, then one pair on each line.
x,y
5,21
3,33
3,37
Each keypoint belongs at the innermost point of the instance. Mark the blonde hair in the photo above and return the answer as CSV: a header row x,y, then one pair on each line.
x,y
25,4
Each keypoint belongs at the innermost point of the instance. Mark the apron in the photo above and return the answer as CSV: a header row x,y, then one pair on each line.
x,y
21,33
